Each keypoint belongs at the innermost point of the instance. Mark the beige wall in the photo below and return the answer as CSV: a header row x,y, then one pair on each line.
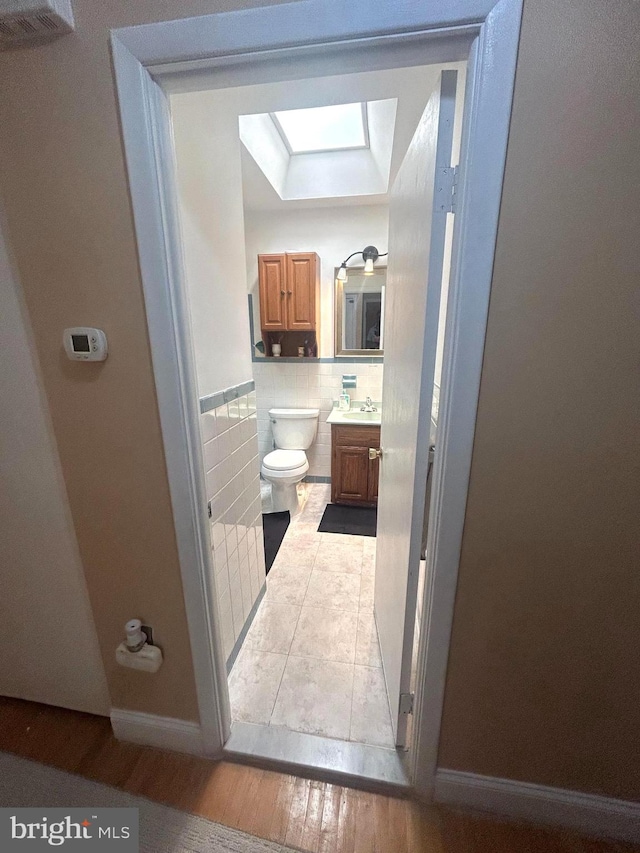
x,y
543,677
49,649
543,669
69,223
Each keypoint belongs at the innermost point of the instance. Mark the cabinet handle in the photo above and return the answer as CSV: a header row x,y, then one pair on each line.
x,y
282,293
289,292
375,453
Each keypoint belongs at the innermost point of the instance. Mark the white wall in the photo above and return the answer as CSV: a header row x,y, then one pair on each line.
x,y
332,232
208,155
48,645
310,384
210,194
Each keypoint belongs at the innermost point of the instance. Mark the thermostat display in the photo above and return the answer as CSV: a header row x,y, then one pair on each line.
x,y
85,344
80,343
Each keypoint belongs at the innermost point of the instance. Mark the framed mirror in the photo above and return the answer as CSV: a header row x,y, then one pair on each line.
x,y
359,312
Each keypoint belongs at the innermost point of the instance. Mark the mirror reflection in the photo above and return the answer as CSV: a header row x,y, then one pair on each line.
x,y
360,312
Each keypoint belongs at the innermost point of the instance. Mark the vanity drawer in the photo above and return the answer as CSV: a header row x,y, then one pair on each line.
x,y
356,436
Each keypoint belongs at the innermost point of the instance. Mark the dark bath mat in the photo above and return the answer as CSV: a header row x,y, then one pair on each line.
x,y
356,520
274,525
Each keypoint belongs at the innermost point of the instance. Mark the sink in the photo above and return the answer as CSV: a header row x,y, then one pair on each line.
x,y
354,416
362,416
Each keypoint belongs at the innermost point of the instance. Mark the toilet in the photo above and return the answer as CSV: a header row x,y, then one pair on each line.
x,y
294,431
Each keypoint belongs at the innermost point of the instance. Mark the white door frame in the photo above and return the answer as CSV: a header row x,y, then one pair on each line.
x,y
240,39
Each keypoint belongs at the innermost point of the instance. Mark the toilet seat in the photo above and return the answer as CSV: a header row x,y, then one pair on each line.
x,y
285,467
284,460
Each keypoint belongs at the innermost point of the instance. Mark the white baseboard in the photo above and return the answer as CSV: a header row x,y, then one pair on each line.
x,y
587,813
162,732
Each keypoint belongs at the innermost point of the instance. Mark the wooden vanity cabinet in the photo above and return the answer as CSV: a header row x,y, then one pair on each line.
x,y
289,285
354,477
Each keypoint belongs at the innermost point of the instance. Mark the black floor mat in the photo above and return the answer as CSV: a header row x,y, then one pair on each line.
x,y
356,520
274,525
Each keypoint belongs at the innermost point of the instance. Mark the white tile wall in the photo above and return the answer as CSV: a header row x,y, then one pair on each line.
x,y
310,384
232,463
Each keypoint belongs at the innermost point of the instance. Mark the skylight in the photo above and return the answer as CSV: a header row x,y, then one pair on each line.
x,y
333,128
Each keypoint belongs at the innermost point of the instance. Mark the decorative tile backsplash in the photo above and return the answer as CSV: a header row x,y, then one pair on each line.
x,y
232,463
309,384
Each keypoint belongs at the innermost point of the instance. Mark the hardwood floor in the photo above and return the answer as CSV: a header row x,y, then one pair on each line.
x,y
309,815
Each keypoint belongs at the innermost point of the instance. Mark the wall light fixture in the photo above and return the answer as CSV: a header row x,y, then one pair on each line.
x,y
369,255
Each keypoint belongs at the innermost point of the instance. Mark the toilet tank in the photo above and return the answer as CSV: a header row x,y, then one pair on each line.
x,y
294,429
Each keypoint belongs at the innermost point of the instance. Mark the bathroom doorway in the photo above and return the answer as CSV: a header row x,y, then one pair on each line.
x,y
140,101
300,619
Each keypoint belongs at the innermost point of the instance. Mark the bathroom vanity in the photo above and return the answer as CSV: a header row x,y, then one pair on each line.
x,y
355,462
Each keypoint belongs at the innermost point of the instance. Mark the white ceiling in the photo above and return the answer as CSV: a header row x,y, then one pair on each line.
x,y
411,86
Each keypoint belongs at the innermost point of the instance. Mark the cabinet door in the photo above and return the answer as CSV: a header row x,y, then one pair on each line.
x,y
273,303
302,291
374,473
350,474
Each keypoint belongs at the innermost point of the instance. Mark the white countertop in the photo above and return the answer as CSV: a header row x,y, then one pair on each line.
x,y
354,417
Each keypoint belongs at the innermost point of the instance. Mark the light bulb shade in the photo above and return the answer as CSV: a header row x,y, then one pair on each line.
x,y
342,273
368,266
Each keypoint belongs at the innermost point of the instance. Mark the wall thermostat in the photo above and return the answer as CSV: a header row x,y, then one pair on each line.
x,y
85,344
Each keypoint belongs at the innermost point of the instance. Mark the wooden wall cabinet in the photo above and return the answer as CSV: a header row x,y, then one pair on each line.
x,y
289,287
272,274
354,477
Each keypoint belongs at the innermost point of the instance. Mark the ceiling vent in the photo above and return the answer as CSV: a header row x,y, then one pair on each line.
x,y
25,22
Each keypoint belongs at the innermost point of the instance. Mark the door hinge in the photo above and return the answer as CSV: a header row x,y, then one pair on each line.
x,y
447,189
406,703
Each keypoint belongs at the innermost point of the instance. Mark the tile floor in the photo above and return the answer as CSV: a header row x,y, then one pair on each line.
x,y
311,661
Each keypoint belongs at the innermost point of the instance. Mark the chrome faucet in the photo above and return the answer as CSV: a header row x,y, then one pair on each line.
x,y
368,406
